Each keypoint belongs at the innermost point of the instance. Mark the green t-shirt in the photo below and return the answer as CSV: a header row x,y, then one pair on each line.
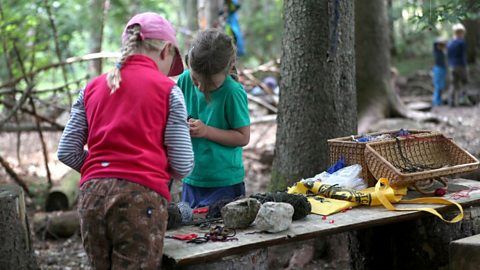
x,y
216,165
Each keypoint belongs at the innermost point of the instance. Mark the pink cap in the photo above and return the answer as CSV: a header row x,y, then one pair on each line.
x,y
154,26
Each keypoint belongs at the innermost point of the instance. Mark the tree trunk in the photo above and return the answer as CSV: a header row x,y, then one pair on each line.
x,y
471,38
393,48
98,13
317,98
191,14
208,13
15,251
376,96
372,61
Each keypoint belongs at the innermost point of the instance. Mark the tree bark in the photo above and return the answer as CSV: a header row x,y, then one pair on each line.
x,y
15,251
471,38
376,96
208,13
372,61
317,98
99,12
393,48
191,13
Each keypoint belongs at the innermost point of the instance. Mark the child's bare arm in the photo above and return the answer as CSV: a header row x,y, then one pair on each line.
x,y
232,137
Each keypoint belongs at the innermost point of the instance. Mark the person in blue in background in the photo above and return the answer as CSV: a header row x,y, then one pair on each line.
x,y
456,52
232,27
439,70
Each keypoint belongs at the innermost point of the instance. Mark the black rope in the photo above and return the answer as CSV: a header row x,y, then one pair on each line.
x,y
409,165
216,234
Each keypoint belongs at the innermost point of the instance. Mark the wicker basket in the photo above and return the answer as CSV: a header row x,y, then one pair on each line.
x,y
421,157
354,152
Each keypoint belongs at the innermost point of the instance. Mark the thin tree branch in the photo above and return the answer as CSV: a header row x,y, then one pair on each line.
x,y
57,47
259,101
40,117
68,61
15,176
47,90
42,140
25,94
28,128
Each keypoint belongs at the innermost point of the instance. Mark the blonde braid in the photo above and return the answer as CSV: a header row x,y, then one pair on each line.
x,y
129,47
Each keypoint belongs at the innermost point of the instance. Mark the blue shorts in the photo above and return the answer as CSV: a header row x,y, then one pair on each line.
x,y
201,196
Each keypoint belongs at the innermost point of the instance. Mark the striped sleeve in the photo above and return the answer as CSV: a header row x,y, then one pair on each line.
x,y
177,136
71,147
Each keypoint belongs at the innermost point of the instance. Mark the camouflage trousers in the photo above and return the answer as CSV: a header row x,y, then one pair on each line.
x,y
122,224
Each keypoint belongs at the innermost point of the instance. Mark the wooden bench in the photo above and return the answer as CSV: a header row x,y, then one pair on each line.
x,y
178,254
465,253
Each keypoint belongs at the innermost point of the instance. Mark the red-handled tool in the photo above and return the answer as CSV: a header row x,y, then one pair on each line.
x,y
183,237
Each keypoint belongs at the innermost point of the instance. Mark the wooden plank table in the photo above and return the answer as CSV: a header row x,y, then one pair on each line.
x,y
179,253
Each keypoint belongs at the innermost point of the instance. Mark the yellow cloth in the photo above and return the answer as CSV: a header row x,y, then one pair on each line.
x,y
326,199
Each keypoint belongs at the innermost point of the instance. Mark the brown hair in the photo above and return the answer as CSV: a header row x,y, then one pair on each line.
x,y
134,44
212,52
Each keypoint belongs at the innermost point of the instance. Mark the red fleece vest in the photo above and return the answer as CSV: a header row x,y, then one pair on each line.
x,y
126,129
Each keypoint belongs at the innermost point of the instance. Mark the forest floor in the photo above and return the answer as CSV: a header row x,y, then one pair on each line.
x,y
460,123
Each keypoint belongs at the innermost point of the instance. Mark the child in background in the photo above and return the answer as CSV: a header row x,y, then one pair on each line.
x,y
133,120
458,65
219,123
439,71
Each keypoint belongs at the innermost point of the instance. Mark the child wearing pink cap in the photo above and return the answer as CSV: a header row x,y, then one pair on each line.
x,y
133,120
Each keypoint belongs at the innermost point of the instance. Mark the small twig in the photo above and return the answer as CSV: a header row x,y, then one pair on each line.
x,y
26,92
270,66
55,89
46,90
57,47
15,176
42,140
28,128
259,101
42,118
264,119
68,61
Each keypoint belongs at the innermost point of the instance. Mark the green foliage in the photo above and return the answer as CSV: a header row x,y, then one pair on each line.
x,y
417,23
429,13
262,26
408,66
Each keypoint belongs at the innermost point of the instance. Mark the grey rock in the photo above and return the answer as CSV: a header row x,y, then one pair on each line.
x,y
274,217
241,213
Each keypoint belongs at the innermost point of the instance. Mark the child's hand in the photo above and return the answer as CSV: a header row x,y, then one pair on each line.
x,y
197,128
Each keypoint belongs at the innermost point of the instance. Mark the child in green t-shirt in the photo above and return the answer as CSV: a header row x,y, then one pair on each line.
x,y
219,121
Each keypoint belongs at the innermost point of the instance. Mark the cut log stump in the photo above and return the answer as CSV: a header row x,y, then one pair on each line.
x,y
58,224
63,196
15,250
